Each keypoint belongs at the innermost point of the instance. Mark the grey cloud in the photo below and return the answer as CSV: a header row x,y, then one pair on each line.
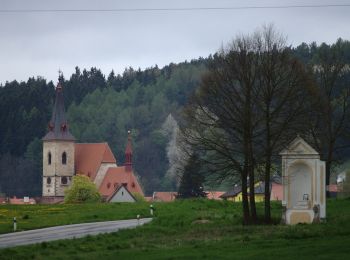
x,y
39,44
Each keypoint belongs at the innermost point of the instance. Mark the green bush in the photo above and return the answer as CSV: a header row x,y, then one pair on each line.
x,y
82,191
138,197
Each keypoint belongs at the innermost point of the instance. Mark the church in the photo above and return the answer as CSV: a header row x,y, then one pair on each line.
x,y
63,158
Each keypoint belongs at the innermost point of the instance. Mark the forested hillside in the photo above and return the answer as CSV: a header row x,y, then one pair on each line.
x,y
99,109
102,108
142,106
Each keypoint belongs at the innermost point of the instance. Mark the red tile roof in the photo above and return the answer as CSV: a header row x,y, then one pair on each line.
x,y
164,196
128,149
88,158
148,199
214,195
333,187
117,176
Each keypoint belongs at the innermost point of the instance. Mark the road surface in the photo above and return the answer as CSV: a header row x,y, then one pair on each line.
x,y
66,232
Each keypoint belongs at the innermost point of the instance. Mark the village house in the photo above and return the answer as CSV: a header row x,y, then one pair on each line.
x,y
21,201
63,158
276,191
163,196
168,196
121,194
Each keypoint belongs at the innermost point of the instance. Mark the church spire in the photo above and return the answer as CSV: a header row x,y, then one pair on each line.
x,y
128,153
58,126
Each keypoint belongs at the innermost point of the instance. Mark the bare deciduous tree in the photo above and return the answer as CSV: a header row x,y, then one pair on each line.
x,y
247,107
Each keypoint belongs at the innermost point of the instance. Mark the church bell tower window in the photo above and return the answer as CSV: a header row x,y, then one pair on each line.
x,y
64,180
49,158
64,158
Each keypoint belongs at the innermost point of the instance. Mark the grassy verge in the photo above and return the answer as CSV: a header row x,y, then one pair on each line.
x,y
39,216
204,229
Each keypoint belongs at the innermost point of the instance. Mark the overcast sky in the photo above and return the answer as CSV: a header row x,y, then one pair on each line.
x,y
39,44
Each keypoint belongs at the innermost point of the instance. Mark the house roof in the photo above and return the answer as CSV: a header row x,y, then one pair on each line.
x,y
58,126
333,188
232,193
117,176
117,190
276,179
128,149
128,153
148,199
88,158
214,195
164,196
259,188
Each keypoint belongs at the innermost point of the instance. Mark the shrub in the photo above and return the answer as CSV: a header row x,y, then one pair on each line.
x,y
138,197
82,191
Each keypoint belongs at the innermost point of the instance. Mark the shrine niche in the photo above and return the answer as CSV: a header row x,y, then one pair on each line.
x,y
303,179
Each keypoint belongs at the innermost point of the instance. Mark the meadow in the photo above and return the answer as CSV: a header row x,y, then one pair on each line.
x,y
184,229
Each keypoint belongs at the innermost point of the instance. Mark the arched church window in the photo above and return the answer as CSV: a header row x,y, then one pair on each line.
x,y
49,158
48,180
64,158
64,180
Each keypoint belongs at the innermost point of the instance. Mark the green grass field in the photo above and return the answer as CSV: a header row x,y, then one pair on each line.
x,y
191,229
39,216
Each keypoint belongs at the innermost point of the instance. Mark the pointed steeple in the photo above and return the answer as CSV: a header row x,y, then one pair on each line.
x,y
58,126
128,154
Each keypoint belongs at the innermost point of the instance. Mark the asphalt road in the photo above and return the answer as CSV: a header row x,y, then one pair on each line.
x,y
67,232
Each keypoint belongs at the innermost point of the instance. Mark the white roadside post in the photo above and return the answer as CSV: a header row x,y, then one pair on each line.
x,y
138,219
14,224
151,209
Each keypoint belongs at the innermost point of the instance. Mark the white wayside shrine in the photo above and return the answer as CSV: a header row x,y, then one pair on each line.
x,y
303,178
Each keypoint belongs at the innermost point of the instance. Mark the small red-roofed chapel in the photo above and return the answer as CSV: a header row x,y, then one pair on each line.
x,y
63,158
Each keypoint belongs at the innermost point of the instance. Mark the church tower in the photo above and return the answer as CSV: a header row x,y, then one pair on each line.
x,y
58,151
128,154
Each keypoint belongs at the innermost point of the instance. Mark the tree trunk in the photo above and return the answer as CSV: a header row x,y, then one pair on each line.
x,y
328,177
252,196
267,192
328,168
245,204
251,185
267,189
